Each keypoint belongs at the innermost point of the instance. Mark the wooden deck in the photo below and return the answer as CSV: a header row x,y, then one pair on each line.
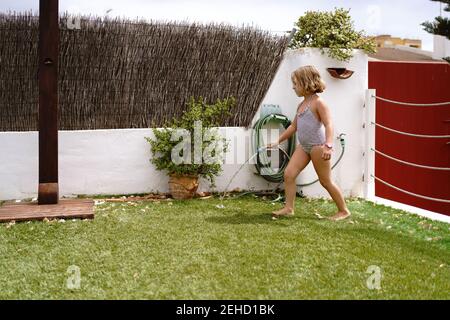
x,y
65,209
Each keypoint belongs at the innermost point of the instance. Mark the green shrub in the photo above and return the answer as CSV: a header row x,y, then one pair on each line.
x,y
331,30
211,116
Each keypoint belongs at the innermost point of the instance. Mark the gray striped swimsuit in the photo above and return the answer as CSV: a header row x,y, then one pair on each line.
x,y
310,131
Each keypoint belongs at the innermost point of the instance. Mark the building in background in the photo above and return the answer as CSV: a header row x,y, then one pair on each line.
x,y
397,49
386,41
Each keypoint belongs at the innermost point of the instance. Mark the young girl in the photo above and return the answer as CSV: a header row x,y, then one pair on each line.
x,y
314,129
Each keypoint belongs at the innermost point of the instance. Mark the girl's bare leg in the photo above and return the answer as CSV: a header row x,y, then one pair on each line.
x,y
298,162
323,169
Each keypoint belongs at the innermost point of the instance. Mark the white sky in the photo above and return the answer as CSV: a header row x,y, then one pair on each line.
x,y
399,18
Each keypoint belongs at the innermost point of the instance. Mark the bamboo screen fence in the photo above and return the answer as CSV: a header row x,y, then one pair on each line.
x,y
133,74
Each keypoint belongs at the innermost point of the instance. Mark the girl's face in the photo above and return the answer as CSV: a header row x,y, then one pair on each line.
x,y
297,88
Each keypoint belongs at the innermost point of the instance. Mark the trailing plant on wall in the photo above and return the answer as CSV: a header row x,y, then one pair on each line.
x,y
332,32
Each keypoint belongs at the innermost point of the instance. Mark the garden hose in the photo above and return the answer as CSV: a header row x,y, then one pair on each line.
x,y
342,141
262,156
262,159
279,196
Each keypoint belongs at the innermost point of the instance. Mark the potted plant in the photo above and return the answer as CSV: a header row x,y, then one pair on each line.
x,y
190,147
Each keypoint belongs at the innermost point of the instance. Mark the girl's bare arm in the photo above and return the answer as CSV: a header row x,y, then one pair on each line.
x,y
288,133
325,116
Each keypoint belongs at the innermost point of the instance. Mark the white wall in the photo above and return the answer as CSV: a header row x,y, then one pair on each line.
x,y
117,161
441,47
345,98
103,162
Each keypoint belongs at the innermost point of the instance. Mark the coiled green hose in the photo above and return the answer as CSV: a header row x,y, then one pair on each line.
x,y
262,160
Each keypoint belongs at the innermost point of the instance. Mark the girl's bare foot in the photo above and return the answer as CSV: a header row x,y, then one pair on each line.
x,y
341,215
285,212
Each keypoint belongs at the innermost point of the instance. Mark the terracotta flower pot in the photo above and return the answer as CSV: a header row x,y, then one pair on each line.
x,y
183,187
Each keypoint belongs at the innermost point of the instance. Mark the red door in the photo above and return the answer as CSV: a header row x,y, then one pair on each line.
x,y
422,83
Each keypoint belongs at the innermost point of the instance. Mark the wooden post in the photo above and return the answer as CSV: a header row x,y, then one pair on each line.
x,y
369,115
48,101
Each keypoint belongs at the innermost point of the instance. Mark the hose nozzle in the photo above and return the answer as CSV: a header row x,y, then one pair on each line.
x,y
261,149
341,139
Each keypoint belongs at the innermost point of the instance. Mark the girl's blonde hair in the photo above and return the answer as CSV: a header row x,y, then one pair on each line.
x,y
309,79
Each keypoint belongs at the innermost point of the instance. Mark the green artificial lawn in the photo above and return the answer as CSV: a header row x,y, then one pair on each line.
x,y
196,250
